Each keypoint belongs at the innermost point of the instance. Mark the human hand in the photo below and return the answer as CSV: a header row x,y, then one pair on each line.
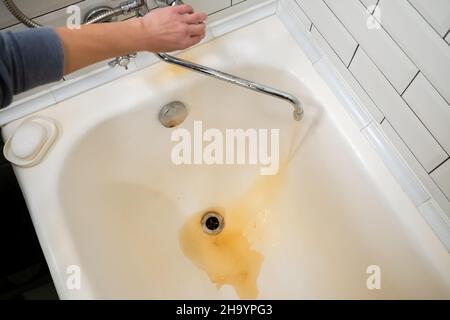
x,y
172,28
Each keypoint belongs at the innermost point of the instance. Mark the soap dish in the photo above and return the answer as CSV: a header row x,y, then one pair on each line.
x,y
31,141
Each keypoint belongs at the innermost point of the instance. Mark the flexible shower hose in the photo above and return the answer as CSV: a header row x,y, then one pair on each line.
x,y
22,17
16,12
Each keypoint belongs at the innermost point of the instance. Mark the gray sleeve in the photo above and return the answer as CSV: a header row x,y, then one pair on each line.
x,y
29,59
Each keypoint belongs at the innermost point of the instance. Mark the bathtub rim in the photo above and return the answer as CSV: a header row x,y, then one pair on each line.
x,y
423,200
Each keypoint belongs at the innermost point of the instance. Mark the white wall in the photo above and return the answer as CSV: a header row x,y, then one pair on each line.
x,y
396,57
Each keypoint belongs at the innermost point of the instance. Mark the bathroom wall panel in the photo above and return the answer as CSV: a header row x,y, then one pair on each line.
x,y
436,12
431,108
414,30
425,178
209,6
351,81
369,3
442,178
301,15
414,134
386,54
420,41
330,27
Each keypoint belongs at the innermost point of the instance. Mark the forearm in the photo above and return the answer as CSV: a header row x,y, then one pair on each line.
x,y
97,42
35,57
167,29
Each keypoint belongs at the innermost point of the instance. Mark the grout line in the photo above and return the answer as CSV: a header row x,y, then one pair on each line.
x,y
423,17
332,48
448,32
353,56
342,24
393,128
371,59
220,10
349,71
439,166
423,124
378,2
410,83
406,146
375,6
410,59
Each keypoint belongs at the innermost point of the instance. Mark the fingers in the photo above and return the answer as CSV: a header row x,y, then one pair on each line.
x,y
194,40
195,18
197,29
183,9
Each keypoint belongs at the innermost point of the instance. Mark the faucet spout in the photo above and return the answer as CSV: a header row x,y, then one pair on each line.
x,y
251,85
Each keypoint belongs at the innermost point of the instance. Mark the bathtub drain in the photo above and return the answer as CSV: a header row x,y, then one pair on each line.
x,y
172,114
212,223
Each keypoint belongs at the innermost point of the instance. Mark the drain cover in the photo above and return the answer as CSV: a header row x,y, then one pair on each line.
x,y
212,223
172,114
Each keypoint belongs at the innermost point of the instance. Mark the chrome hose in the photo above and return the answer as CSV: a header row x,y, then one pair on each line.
x,y
23,18
19,15
106,15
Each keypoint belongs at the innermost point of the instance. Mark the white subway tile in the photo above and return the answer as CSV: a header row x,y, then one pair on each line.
x,y
386,54
424,177
420,42
442,178
431,108
234,9
330,27
32,9
209,6
358,90
369,3
414,134
436,12
299,13
242,18
287,13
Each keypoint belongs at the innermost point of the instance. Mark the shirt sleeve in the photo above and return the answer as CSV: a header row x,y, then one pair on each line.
x,y
29,59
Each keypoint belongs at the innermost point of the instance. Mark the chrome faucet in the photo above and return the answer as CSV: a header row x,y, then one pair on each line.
x,y
105,14
251,85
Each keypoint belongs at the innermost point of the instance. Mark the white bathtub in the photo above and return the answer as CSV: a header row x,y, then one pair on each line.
x,y
108,200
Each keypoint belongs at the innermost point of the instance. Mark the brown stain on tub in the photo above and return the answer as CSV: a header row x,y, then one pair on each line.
x,y
230,257
170,72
